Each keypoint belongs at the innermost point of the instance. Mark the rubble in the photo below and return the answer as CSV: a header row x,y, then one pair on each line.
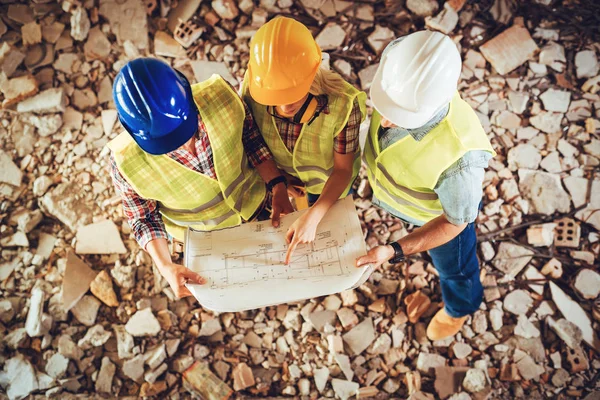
x,y
48,101
20,377
86,310
586,64
105,376
544,191
344,389
37,324
120,14
143,323
360,337
99,238
475,380
510,49
518,302
587,283
331,37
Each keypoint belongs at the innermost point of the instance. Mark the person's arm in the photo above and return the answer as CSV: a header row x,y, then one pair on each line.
x,y
346,143
150,233
260,157
433,234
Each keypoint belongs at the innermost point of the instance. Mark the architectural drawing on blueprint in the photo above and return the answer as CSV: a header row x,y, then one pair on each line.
x,y
250,259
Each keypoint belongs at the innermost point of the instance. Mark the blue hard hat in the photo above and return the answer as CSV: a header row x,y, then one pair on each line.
x,y
155,105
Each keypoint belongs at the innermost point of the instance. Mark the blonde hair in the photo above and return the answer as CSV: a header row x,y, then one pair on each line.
x,y
326,82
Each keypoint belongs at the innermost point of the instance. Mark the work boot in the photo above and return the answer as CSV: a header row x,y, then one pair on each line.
x,y
443,326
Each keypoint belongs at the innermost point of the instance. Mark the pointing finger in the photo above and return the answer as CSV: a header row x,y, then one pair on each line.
x,y
291,249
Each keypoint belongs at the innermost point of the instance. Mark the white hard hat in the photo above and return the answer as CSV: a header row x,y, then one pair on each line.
x,y
417,76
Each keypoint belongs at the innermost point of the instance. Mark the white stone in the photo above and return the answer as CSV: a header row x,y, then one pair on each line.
x,y
344,389
567,331
80,24
524,156
567,149
205,69
94,337
46,124
587,283
461,350
532,273
553,55
331,37
155,356
105,376
548,122
518,302
527,367
20,377
556,100
125,342
143,323
380,37
210,327
422,8
134,368
427,362
321,375
525,328
475,380
344,363
57,365
518,101
226,9
120,14
586,64
541,235
551,163
366,76
48,101
512,258
360,337
109,117
86,310
33,325
544,191
9,171
496,319
573,312
99,238
445,21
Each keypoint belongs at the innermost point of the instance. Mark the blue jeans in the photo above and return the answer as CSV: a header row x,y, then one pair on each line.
x,y
458,267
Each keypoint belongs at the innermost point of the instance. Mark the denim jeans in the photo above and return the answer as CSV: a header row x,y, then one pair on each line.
x,y
458,267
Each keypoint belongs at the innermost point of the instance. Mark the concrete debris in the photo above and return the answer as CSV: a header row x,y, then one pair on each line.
x,y
587,283
556,100
94,337
548,122
105,376
525,328
510,49
48,101
475,380
86,310
102,288
541,235
99,238
527,367
524,156
205,69
512,258
573,312
360,337
379,39
9,171
518,302
242,377
586,64
461,350
56,367
125,342
19,376
143,323
80,24
553,55
544,191
37,324
445,21
120,14
134,368
166,46
567,331
97,46
344,389
344,363
17,89
77,280
422,8
331,37
31,33
210,327
366,76
226,9
427,362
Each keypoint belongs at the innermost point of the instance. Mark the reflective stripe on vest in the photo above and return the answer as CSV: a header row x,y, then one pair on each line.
x,y
404,175
312,158
189,198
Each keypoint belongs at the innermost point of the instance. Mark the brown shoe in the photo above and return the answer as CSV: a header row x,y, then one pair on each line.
x,y
443,326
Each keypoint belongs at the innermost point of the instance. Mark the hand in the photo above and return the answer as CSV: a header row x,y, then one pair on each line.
x,y
294,192
177,275
281,204
303,230
376,256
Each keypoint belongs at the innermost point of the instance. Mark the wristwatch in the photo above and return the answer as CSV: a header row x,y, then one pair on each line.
x,y
280,179
398,253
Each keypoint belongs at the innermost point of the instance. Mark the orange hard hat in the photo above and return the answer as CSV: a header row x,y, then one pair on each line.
x,y
284,59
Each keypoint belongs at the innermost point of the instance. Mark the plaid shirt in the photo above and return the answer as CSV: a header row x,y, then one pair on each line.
x,y
142,214
344,143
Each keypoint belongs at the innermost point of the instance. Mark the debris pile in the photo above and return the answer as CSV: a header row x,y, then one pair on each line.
x,y
83,310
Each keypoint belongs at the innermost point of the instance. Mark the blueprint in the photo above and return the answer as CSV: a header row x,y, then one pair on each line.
x,y
244,266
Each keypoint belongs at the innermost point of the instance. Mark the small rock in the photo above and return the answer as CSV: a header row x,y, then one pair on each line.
x,y
20,377
105,376
556,100
518,302
344,389
479,322
586,64
226,9
31,33
524,156
587,283
560,377
86,310
427,362
366,76
526,328
567,331
57,365
134,368
102,288
528,369
553,55
9,171
422,8
320,375
242,377
475,380
461,350
360,337
512,258
380,38
331,37
143,323
94,337
99,238
34,325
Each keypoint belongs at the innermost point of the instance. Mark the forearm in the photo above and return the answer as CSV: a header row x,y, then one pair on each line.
x,y
333,189
159,251
433,234
268,170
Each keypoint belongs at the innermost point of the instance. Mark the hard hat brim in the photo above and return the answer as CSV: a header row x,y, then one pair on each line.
x,y
269,97
172,140
392,111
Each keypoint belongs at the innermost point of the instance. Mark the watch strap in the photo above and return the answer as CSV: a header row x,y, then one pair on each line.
x,y
280,179
398,253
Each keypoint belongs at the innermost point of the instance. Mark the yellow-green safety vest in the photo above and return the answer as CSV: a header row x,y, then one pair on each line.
x,y
312,158
189,198
404,175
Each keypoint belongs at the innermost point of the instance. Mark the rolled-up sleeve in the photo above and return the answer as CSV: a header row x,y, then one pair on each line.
x,y
142,214
460,187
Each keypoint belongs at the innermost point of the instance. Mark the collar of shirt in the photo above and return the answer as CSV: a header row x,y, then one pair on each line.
x,y
322,108
417,133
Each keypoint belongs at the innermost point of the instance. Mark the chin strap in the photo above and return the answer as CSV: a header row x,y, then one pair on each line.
x,y
305,113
